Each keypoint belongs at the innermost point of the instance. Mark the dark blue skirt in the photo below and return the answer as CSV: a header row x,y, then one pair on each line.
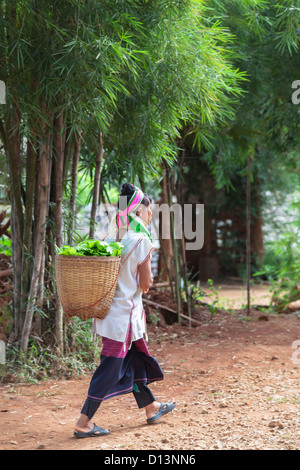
x,y
122,370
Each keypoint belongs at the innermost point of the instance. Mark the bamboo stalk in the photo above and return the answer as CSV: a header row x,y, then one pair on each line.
x,y
175,251
13,153
60,140
74,184
248,242
188,299
60,150
27,234
45,178
96,189
183,250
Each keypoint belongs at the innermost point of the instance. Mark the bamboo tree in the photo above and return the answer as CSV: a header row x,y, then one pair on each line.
x,y
60,137
59,145
56,49
182,247
13,152
248,240
74,183
96,190
31,162
175,249
45,172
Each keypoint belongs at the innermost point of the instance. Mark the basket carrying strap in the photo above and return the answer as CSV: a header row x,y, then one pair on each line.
x,y
105,295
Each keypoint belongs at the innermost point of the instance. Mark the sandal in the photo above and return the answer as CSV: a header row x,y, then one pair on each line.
x,y
164,409
95,432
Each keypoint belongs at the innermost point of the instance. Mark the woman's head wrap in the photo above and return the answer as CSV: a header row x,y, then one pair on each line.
x,y
126,216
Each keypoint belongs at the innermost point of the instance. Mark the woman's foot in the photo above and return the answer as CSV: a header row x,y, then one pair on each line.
x,y
84,425
152,409
95,432
155,406
86,428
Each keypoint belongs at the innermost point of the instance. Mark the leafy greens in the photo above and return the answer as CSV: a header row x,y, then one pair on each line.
x,y
92,248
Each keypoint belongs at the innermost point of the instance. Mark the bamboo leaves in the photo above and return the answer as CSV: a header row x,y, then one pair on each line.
x,y
287,25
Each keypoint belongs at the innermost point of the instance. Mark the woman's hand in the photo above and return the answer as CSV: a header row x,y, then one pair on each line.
x,y
146,290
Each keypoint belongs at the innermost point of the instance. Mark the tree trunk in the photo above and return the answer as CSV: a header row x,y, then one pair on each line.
x,y
13,153
182,247
69,142
59,156
75,163
40,298
165,269
174,243
248,241
27,237
60,141
17,273
45,177
96,190
257,236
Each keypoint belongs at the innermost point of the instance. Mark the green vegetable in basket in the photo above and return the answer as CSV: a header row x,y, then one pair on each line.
x,y
92,248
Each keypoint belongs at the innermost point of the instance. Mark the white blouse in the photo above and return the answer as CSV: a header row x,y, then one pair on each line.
x,y
127,305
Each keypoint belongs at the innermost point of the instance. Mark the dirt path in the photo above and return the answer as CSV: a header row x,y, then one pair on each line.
x,y
234,381
233,295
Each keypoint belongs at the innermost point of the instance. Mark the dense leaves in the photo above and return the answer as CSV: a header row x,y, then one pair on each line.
x,y
92,248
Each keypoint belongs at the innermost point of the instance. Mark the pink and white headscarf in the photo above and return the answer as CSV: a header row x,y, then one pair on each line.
x,y
127,217
122,218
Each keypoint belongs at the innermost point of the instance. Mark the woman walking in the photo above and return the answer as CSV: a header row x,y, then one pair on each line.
x,y
126,364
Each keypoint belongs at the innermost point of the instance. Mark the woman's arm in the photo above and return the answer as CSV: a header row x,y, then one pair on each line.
x,y
145,275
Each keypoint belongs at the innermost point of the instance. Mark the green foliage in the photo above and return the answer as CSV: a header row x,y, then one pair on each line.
x,y
185,80
92,248
214,293
82,355
135,70
266,122
284,262
287,25
5,245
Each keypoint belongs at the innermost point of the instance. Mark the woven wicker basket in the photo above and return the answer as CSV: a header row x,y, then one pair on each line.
x,y
86,284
